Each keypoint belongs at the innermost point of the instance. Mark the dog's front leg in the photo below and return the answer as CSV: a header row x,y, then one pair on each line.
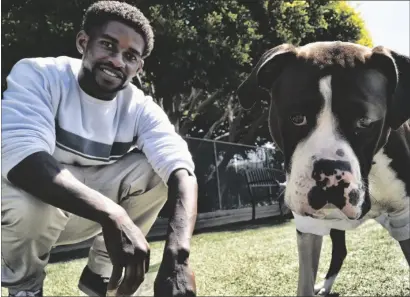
x,y
339,253
405,247
309,247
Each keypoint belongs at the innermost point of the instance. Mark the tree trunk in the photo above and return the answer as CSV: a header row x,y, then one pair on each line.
x,y
193,102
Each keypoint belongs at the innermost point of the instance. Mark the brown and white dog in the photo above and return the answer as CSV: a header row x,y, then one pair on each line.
x,y
340,114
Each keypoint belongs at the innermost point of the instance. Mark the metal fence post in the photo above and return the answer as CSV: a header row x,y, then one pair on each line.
x,y
217,177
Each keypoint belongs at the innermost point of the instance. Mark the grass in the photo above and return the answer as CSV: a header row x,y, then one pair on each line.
x,y
258,260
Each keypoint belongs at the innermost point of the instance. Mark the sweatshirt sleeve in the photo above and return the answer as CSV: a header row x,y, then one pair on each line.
x,y
27,121
165,150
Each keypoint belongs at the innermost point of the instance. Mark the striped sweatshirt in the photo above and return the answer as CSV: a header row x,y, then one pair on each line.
x,y
44,109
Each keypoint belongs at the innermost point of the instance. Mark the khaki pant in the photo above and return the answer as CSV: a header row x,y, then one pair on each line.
x,y
30,228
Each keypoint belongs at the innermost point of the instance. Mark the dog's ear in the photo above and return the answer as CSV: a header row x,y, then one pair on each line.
x,y
400,106
257,85
397,69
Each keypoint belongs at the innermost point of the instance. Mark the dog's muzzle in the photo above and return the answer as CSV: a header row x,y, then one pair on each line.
x,y
335,184
331,186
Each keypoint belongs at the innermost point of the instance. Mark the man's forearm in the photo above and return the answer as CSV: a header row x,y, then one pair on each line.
x,y
42,176
183,194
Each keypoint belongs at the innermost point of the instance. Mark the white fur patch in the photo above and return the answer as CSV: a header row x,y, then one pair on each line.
x,y
322,143
325,286
387,192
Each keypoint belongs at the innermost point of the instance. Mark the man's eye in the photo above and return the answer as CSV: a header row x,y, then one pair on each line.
x,y
131,57
298,119
106,44
364,123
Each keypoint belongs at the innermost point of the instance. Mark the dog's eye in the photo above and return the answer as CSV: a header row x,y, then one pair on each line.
x,y
298,119
364,123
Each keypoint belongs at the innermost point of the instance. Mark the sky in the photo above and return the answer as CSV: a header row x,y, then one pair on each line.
x,y
388,23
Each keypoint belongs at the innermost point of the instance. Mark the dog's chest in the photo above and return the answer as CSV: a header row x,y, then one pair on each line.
x,y
387,192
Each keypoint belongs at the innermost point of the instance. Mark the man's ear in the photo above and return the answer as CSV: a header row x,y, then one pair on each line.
x,y
258,84
397,69
82,39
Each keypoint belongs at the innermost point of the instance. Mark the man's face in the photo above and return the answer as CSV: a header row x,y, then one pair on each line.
x,y
111,57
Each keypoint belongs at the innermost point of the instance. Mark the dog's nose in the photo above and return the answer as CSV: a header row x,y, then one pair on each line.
x,y
329,172
337,185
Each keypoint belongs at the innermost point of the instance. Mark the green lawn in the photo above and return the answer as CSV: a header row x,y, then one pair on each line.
x,y
262,260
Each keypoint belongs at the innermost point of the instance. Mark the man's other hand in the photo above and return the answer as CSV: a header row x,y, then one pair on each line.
x,y
129,253
175,278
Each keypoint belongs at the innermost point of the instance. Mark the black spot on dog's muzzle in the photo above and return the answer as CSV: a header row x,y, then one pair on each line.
x,y
329,167
326,191
319,197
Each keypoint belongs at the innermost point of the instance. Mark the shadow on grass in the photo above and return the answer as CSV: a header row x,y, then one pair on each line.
x,y
81,251
66,256
247,225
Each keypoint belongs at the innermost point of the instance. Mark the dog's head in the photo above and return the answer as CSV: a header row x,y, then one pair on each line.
x,y
332,107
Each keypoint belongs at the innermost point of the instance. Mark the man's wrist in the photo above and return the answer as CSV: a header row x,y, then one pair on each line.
x,y
183,193
176,254
113,213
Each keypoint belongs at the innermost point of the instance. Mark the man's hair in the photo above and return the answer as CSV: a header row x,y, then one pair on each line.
x,y
102,12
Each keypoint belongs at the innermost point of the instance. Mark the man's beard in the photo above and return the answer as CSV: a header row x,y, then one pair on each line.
x,y
92,84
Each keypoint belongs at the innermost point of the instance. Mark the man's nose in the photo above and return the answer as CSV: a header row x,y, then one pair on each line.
x,y
117,60
323,169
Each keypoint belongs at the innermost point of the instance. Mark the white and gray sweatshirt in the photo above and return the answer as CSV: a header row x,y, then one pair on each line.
x,y
44,109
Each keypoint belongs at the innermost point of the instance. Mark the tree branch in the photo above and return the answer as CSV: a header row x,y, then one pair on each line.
x,y
193,99
254,126
222,136
233,125
202,106
220,121
208,101
160,102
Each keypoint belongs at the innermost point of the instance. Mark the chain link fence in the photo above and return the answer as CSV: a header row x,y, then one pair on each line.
x,y
220,169
223,193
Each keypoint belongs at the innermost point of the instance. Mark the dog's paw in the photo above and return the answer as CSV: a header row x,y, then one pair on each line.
x,y
321,290
324,288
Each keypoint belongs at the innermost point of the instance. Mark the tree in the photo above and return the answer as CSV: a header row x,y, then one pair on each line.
x,y
201,50
32,28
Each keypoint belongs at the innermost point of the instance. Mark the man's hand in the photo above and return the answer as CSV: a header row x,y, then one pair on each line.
x,y
175,278
128,250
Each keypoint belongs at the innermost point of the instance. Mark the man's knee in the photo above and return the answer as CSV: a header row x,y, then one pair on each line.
x,y
142,178
398,224
29,216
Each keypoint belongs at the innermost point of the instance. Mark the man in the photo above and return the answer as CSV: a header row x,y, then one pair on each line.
x,y
83,150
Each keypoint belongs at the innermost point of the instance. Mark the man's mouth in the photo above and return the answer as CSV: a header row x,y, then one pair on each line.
x,y
112,73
